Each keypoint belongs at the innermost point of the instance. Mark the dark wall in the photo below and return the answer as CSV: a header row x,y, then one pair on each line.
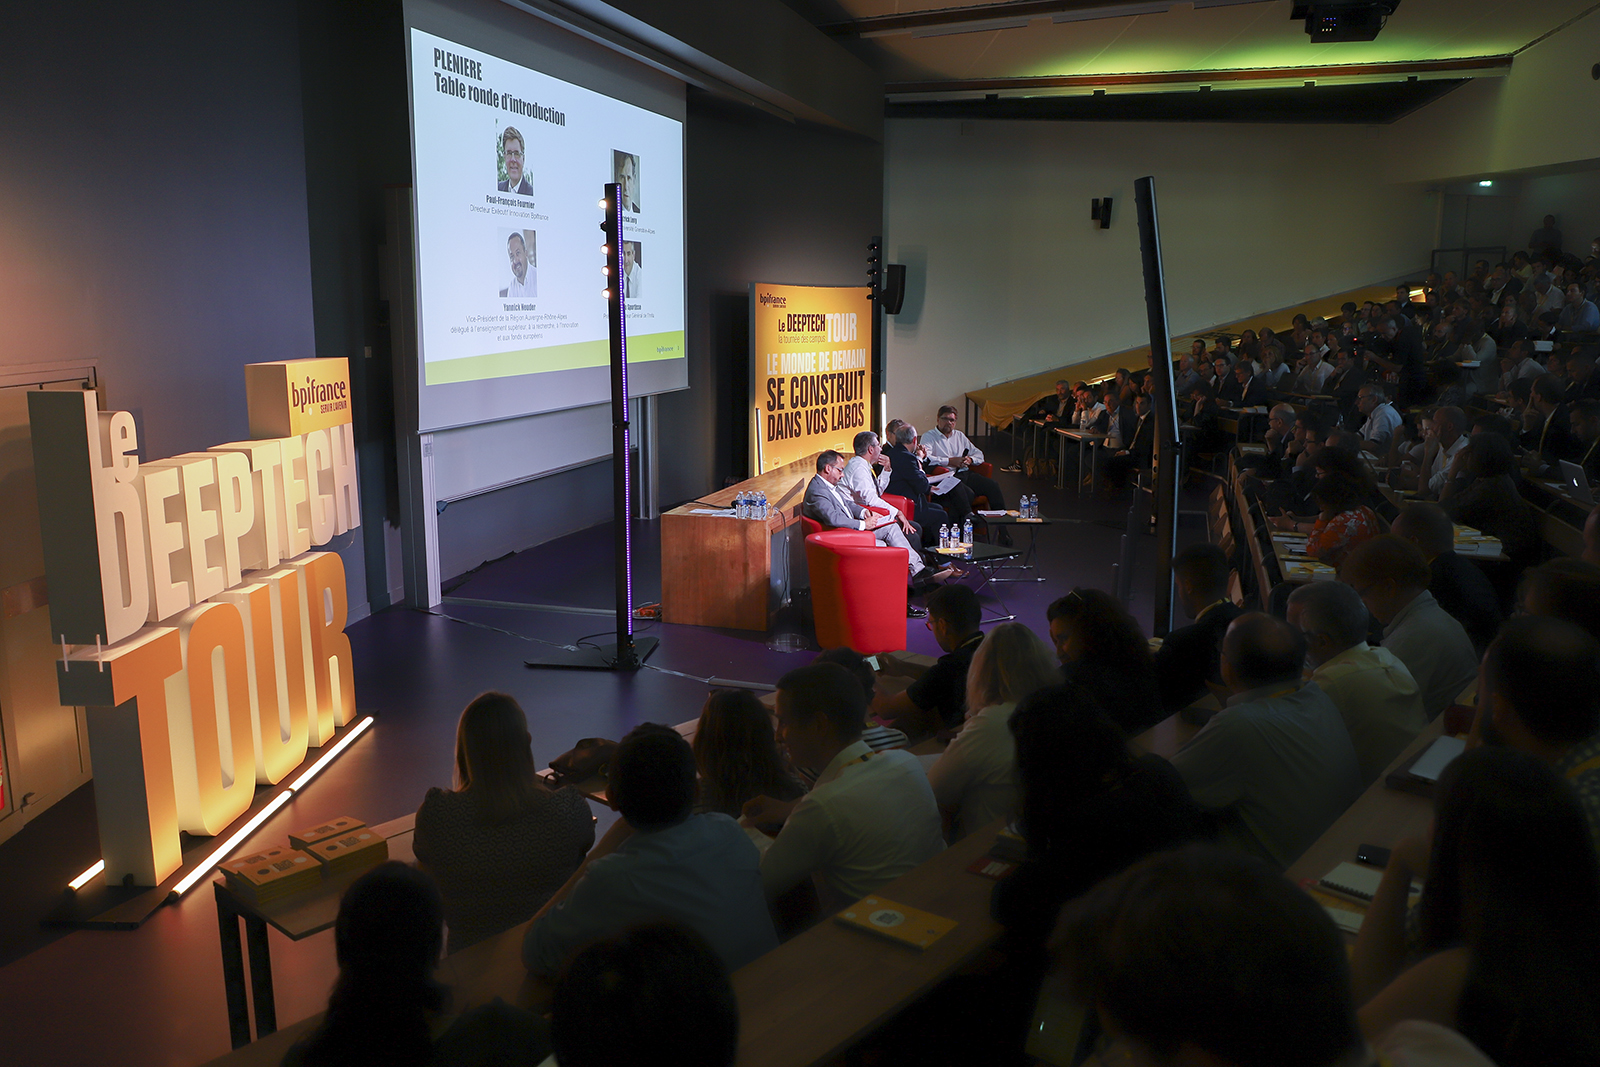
x,y
153,207
767,201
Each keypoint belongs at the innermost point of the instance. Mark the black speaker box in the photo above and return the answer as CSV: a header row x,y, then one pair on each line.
x,y
894,288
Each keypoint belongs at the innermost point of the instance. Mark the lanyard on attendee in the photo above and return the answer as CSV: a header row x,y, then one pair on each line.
x,y
1215,603
858,759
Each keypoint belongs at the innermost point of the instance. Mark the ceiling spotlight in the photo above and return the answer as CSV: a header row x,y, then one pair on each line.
x,y
1486,184
1332,21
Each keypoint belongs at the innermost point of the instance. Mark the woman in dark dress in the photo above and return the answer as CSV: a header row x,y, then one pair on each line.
x,y
1102,649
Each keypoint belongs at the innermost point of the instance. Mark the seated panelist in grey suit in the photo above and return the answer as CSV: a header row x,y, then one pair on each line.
x,y
826,502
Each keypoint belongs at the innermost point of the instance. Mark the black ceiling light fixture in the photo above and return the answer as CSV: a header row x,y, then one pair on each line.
x,y
1329,21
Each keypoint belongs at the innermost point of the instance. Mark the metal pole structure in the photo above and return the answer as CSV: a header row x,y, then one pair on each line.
x,y
1165,410
627,654
622,488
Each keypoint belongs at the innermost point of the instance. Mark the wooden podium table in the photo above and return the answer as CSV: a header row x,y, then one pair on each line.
x,y
717,570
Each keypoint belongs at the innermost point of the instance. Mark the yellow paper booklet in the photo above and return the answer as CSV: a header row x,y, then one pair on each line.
x,y
897,922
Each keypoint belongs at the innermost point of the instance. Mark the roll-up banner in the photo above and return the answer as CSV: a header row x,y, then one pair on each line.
x,y
810,370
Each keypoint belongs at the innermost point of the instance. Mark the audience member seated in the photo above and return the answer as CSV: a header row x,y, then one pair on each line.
x,y
829,503
1343,520
1054,408
975,779
1391,576
1509,918
937,700
877,736
1276,766
1554,441
1091,805
1102,649
1375,694
1564,588
1486,498
1205,416
1205,957
951,448
1190,657
1273,463
1137,450
502,841
1291,491
386,1006
1457,584
660,861
1541,694
655,994
736,755
869,818
862,480
1382,420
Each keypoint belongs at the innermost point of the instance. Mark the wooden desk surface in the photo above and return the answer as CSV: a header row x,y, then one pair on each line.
x,y
809,999
303,914
1380,816
775,483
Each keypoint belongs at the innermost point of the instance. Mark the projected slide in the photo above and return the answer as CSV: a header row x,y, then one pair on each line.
x,y
510,165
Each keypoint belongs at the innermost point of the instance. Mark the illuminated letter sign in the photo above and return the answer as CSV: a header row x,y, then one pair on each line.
x,y
203,635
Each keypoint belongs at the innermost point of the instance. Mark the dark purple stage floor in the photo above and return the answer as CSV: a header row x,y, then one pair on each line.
x,y
154,996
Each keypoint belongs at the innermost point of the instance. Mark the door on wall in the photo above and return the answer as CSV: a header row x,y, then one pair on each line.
x,y
44,747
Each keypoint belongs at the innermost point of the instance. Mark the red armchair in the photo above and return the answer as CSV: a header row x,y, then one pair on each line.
x,y
858,591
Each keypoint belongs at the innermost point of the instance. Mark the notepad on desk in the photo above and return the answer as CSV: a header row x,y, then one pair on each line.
x,y
896,921
1420,774
1356,882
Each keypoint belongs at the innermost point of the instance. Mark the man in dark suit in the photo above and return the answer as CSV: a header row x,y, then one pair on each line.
x,y
1191,656
1229,386
1055,408
1552,440
1458,585
1408,357
1139,448
907,479
1253,389
515,156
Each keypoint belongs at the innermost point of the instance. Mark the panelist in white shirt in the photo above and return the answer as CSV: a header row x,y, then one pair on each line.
x,y
950,447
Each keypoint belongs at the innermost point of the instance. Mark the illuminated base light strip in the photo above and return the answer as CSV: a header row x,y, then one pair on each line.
x,y
78,882
188,881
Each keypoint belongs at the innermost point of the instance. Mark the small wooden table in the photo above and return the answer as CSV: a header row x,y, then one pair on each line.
x,y
296,917
1030,558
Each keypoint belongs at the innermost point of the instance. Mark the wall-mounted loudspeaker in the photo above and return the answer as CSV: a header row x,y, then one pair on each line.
x,y
894,288
1100,211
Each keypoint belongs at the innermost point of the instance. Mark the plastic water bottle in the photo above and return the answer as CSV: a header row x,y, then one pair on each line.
x,y
966,533
765,511
758,506
741,507
1023,508
944,536
1033,507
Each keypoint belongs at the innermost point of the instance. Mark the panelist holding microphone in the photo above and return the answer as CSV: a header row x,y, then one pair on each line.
x,y
951,447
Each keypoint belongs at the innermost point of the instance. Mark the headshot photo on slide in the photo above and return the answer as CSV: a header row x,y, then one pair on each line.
x,y
521,247
625,172
512,150
632,270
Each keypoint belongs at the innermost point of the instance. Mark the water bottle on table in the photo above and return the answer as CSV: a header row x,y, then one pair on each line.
x,y
966,535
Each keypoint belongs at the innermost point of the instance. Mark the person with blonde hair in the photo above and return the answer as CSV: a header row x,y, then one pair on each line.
x,y
502,841
975,779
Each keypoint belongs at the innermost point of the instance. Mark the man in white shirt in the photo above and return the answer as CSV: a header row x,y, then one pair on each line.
x,y
866,486
1314,371
1372,689
522,283
949,446
1391,575
1382,419
870,817
1446,438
